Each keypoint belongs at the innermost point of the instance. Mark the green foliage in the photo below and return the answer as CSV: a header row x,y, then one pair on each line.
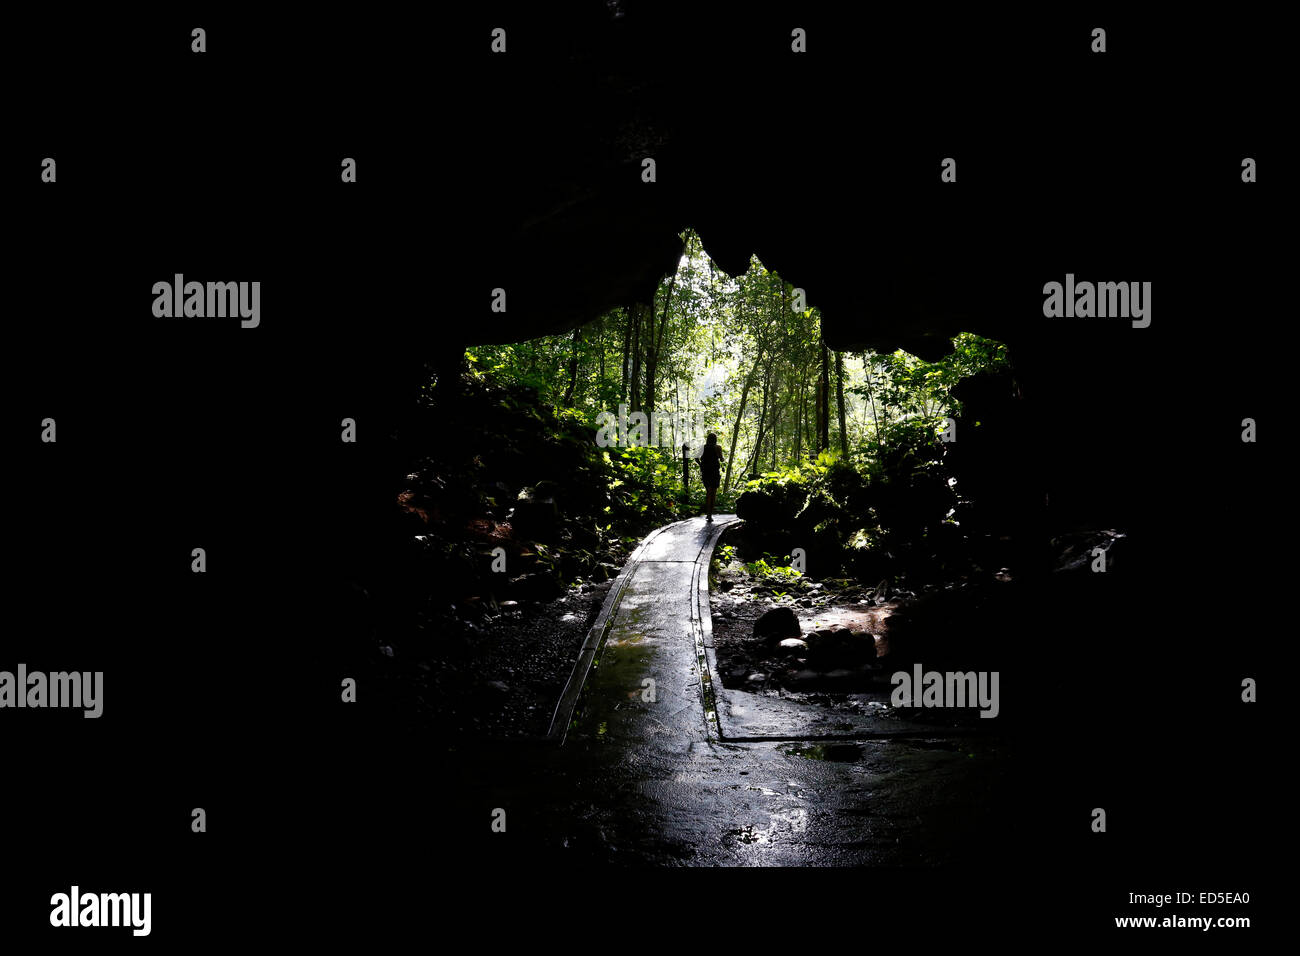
x,y
734,354
769,572
912,398
790,490
644,490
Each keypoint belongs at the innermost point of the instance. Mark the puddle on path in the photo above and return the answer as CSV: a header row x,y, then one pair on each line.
x,y
837,752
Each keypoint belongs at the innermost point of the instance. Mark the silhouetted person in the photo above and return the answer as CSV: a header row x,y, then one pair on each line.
x,y
711,471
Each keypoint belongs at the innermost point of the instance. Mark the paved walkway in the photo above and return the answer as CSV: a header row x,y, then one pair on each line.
x,y
660,764
643,670
648,665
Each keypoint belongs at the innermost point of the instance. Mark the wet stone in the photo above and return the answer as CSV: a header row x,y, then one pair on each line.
x,y
777,624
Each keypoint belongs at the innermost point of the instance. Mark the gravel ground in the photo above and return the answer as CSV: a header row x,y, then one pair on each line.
x,y
496,677
933,624
738,599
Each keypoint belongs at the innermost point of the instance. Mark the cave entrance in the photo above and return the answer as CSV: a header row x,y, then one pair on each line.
x,y
849,468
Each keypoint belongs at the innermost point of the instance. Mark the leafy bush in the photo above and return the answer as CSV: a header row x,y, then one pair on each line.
x,y
768,572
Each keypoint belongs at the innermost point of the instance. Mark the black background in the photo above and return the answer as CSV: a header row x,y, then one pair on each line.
x,y
177,434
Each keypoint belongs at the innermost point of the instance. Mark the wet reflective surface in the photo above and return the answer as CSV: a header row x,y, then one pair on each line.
x,y
644,777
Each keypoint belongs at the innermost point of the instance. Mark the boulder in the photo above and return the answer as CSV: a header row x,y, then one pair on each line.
x,y
536,516
837,647
776,625
756,506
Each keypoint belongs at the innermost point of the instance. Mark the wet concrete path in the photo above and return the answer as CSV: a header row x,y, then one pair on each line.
x,y
659,764
649,675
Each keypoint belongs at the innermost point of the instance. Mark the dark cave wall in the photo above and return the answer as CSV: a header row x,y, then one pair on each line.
x,y
813,164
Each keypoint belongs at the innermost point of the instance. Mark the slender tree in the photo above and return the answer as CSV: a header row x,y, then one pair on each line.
x,y
573,367
637,310
824,409
839,397
654,343
627,351
740,414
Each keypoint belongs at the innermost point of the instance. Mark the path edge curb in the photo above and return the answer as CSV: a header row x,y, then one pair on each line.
x,y
595,638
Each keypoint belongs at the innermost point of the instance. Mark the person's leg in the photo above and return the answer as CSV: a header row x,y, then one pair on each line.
x,y
709,499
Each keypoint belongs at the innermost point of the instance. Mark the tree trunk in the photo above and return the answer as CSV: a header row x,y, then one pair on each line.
x,y
677,410
600,353
647,364
686,474
635,405
808,423
735,428
627,350
775,428
654,342
824,403
802,410
573,368
839,397
752,467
